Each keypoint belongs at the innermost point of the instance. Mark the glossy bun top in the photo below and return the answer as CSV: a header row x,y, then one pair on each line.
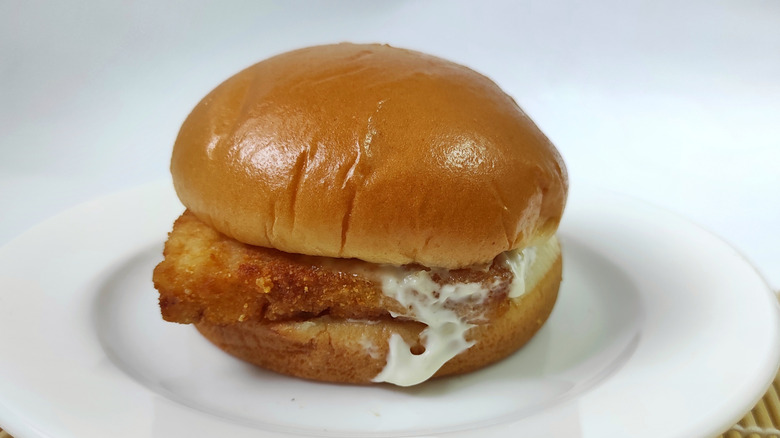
x,y
370,152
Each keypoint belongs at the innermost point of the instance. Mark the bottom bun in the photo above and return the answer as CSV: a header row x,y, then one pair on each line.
x,y
350,351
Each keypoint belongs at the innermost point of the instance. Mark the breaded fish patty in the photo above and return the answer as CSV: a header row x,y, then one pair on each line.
x,y
208,277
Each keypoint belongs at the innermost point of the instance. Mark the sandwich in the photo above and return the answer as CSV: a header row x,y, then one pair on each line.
x,y
363,214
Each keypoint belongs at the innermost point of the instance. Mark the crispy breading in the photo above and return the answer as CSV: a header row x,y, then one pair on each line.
x,y
209,277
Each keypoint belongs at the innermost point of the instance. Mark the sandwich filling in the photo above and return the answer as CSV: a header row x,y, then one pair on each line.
x,y
207,277
445,335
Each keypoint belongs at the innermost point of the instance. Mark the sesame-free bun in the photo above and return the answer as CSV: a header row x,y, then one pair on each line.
x,y
369,152
356,351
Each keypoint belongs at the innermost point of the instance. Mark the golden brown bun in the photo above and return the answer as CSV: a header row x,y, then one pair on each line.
x,y
333,350
369,152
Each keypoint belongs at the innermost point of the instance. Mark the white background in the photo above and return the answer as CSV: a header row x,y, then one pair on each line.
x,y
675,103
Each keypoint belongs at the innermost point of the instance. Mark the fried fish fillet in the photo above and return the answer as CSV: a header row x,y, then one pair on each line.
x,y
208,277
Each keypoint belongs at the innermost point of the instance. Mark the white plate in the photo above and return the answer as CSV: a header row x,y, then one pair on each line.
x,y
661,329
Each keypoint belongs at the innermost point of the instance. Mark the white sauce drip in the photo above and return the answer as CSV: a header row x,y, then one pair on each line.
x,y
519,263
444,337
445,334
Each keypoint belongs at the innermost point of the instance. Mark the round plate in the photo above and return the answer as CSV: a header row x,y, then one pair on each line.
x,y
660,329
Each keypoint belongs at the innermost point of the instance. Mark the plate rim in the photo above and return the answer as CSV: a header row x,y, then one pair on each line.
x,y
15,423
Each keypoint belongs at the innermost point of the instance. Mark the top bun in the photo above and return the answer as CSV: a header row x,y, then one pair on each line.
x,y
370,152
